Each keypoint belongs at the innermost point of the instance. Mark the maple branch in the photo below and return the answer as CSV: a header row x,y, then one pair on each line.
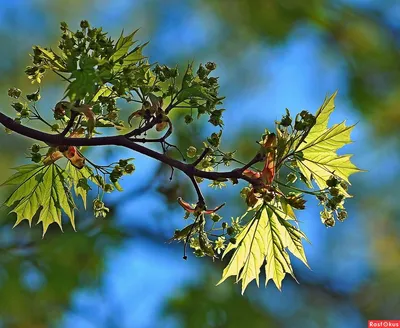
x,y
123,141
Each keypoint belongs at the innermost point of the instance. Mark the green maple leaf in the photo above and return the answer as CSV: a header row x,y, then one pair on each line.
x,y
316,155
122,46
265,238
79,180
43,191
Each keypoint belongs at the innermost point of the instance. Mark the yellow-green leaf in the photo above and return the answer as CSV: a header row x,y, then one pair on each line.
x,y
79,178
41,190
264,238
317,158
122,46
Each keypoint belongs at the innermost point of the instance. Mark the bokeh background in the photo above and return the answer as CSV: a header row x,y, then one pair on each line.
x,y
271,54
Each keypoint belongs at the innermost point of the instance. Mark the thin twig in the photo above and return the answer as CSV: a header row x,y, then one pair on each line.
x,y
202,155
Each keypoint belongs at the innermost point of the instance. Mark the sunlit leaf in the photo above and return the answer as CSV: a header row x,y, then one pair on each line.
x,y
317,158
79,179
42,191
264,238
122,46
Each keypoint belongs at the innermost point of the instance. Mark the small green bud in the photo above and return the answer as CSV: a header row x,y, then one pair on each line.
x,y
123,162
98,204
332,182
25,113
79,35
33,96
199,180
36,157
82,183
84,24
329,222
327,218
300,126
214,140
63,26
213,80
205,164
173,72
99,179
191,152
224,225
342,215
14,93
297,201
130,168
344,185
35,148
211,66
188,119
202,72
244,192
18,106
286,121
198,253
334,191
230,231
108,188
215,217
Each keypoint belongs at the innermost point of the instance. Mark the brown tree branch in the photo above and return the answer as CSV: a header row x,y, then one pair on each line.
x,y
123,141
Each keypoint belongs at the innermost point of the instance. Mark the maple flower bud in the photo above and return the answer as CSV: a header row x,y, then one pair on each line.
x,y
36,157
33,96
188,119
232,240
344,185
342,215
268,196
123,162
211,66
14,93
130,168
297,201
108,188
224,225
98,204
334,191
215,217
191,152
35,148
84,24
230,231
327,218
25,113
214,140
18,106
332,181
